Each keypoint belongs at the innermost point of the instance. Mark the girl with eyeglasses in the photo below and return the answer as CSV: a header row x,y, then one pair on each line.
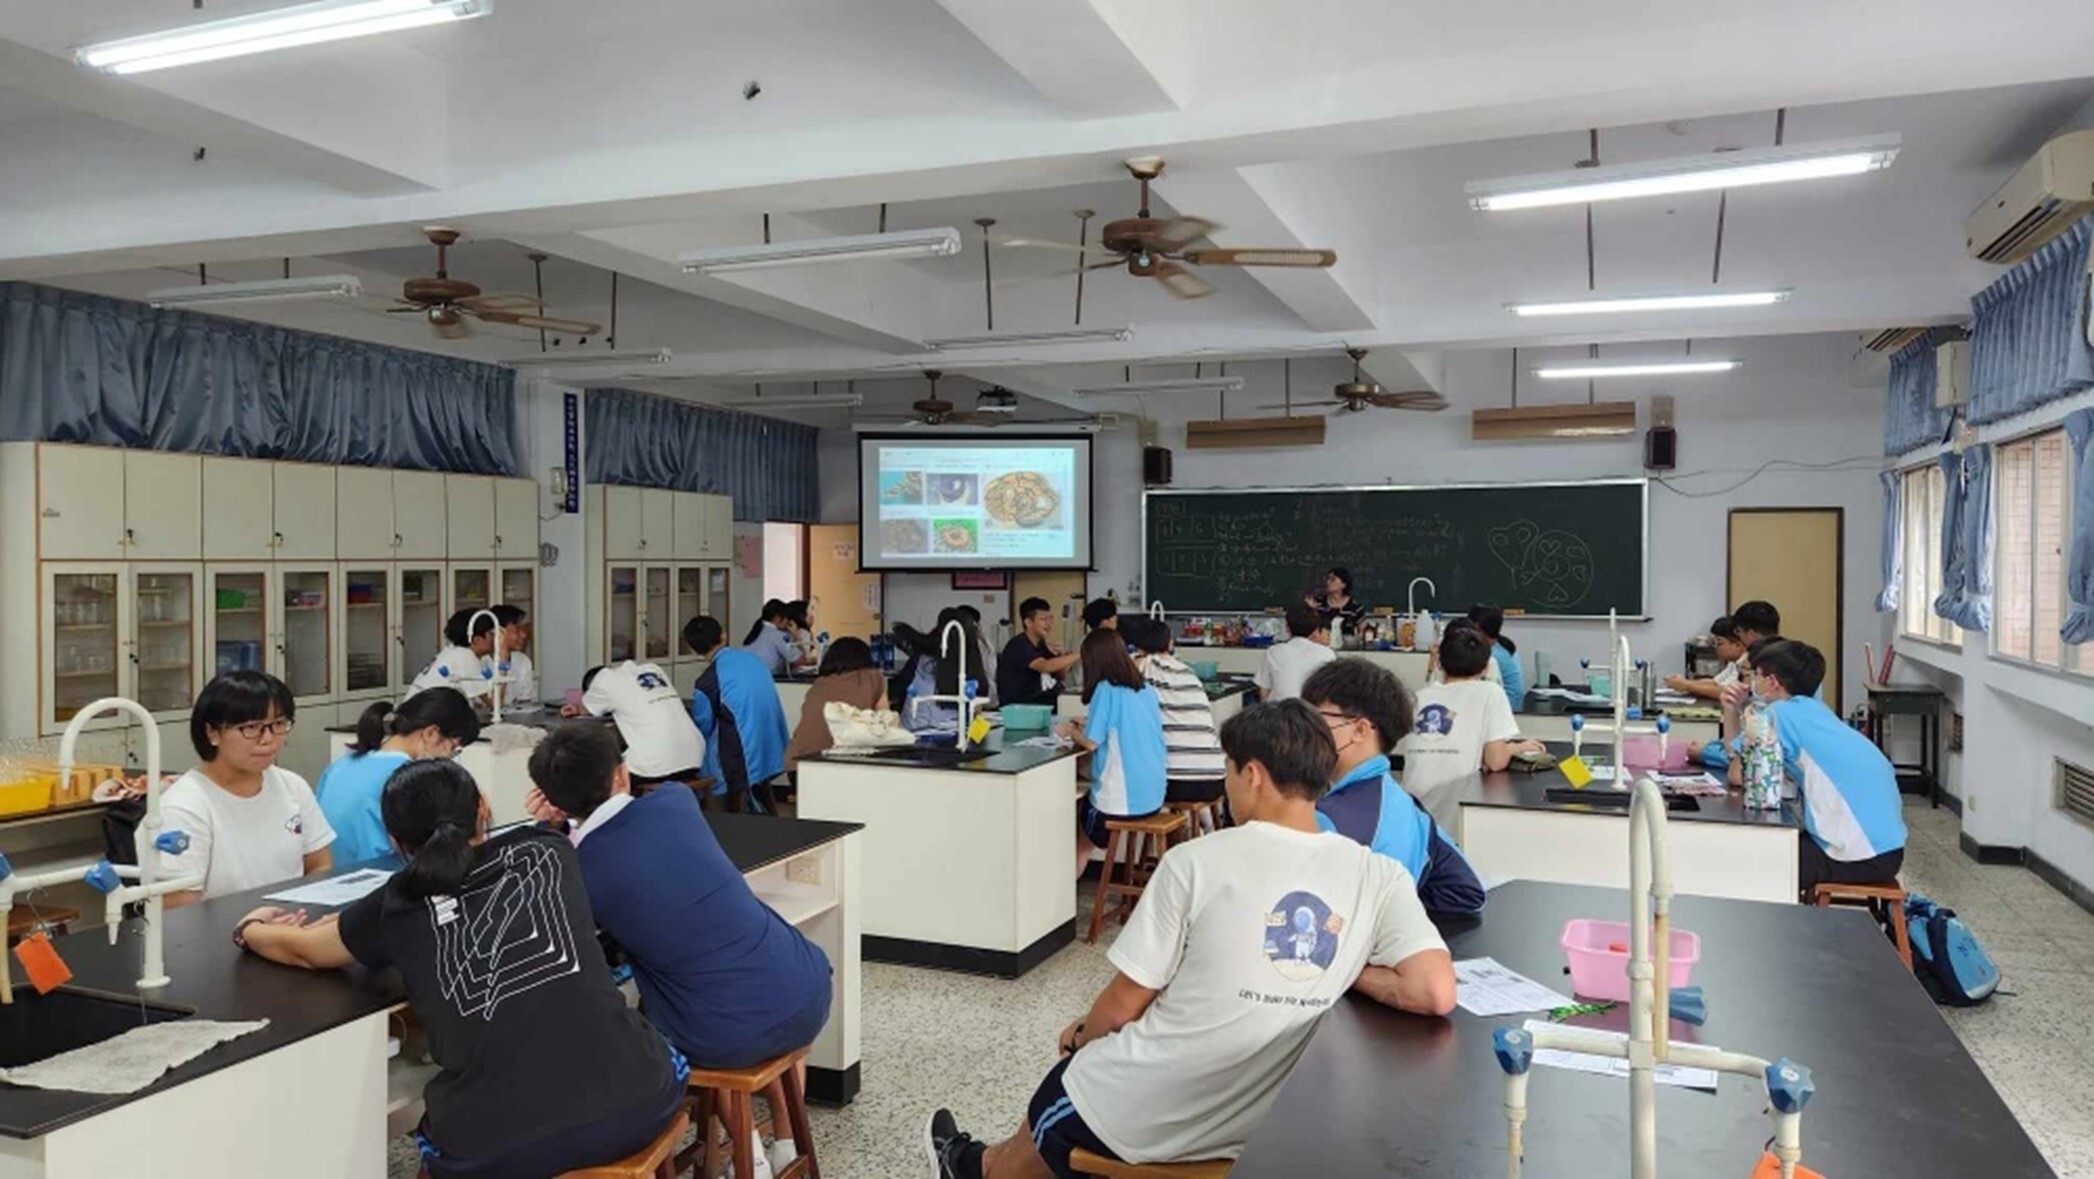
x,y
249,821
434,723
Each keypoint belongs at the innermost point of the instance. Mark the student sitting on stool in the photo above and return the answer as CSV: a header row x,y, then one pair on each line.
x,y
724,977
1239,942
1853,820
1191,743
1368,713
1122,730
736,706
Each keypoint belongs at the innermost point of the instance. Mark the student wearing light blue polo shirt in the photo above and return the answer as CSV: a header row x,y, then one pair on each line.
x,y
1122,728
435,722
1853,818
771,639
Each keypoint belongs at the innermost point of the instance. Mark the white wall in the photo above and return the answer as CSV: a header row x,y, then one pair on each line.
x,y
559,637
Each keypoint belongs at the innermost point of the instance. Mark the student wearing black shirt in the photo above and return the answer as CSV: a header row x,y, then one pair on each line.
x,y
1029,670
545,1069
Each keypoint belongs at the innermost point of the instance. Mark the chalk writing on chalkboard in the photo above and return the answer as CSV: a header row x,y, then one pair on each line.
x,y
1554,567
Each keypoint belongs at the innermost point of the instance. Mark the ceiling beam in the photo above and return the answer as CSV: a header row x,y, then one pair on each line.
x,y
1252,208
1071,54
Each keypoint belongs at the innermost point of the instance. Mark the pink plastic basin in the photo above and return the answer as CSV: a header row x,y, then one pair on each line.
x,y
1600,972
1641,749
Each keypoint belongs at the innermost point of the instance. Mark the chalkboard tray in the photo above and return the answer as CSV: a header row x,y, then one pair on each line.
x,y
1567,549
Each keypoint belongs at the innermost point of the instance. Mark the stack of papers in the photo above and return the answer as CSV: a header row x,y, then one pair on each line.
x,y
335,890
1483,986
1700,785
1614,1066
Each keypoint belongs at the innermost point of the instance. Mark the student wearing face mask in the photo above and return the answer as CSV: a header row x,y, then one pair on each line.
x,y
1368,712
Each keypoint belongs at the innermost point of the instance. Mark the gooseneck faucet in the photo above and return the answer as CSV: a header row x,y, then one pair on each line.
x,y
499,674
1649,1044
103,875
952,636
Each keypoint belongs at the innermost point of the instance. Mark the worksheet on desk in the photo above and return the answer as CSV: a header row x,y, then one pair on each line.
x,y
1484,986
1614,1066
334,891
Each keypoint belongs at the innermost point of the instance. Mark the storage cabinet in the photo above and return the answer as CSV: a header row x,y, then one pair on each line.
x,y
657,524
471,588
516,519
419,634
364,513
661,559
117,629
80,503
418,516
469,508
370,657
304,498
163,506
238,505
621,522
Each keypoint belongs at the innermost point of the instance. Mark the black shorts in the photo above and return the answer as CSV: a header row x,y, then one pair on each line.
x,y
1091,821
1814,867
689,775
1057,1128
1193,789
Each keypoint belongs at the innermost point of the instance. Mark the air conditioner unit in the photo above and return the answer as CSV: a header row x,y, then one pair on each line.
x,y
1891,339
2040,201
1952,374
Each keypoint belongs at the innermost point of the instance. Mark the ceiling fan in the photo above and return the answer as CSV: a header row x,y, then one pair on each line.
x,y
449,304
1161,248
994,406
1360,394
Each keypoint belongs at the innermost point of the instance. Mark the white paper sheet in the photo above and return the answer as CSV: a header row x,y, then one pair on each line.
x,y
1584,1062
1483,986
335,891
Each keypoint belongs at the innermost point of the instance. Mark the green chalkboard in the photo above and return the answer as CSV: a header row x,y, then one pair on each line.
x,y
1563,549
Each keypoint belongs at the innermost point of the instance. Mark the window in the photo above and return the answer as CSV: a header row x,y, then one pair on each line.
x,y
1925,495
2029,586
784,566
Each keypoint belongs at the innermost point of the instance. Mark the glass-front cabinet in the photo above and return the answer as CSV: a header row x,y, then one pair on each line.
x,y
421,621
622,613
472,588
304,631
368,667
657,626
82,637
236,626
690,603
519,585
165,637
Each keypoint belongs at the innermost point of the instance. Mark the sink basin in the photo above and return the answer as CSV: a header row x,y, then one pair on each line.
x,y
36,1027
932,755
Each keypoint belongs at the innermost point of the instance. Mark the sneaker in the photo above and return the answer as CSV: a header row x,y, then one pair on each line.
x,y
782,1154
944,1146
759,1162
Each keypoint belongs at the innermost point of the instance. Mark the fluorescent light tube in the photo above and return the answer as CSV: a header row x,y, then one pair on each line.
x,y
586,359
273,290
1586,372
1736,169
1183,385
1074,336
908,243
282,28
798,401
1651,303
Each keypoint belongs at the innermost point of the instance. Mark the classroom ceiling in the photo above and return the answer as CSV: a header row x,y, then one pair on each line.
x,y
614,136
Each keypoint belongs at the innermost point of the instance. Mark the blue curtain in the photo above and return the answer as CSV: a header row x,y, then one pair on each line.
x,y
1893,541
768,466
1910,420
2079,569
2029,338
83,368
1966,539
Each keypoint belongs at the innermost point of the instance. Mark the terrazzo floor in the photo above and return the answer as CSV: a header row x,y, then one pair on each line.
x,y
980,1045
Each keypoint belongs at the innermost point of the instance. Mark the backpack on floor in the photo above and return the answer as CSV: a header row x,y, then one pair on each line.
x,y
1946,956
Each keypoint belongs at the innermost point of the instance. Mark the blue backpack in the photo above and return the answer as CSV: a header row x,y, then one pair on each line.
x,y
1946,956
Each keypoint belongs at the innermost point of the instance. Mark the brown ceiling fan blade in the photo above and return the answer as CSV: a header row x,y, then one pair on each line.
x,y
1300,404
574,327
1034,243
1182,282
1179,232
1258,256
1424,399
503,302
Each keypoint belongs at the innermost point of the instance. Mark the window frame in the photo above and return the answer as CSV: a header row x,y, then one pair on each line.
x,y
2072,660
1927,480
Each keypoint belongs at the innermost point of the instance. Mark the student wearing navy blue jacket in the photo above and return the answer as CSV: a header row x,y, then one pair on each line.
x,y
724,977
1368,712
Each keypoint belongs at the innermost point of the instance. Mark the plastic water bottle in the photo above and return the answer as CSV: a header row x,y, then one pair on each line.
x,y
1763,772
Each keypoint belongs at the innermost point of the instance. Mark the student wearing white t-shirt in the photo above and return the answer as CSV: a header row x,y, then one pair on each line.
x,y
662,742
1724,633
1240,941
1287,664
1464,724
522,679
249,822
465,662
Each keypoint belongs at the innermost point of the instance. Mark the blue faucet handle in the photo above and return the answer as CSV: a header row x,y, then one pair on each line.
x,y
1515,1049
1689,1006
1664,723
973,688
1789,1086
1584,661
6,869
486,673
172,843
1577,722
104,878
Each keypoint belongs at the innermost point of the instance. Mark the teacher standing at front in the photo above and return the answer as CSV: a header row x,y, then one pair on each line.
x,y
1337,606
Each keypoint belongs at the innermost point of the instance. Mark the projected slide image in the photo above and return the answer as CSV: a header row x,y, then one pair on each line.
x,y
1022,499
901,487
905,536
957,536
953,491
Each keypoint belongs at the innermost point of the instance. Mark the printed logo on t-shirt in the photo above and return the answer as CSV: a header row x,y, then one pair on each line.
x,y
651,681
1301,936
295,824
505,933
1435,720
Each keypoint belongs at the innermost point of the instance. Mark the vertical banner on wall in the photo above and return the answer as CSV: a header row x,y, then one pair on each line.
x,y
571,451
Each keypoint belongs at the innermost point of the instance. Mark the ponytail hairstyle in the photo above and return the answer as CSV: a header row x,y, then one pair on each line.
x,y
773,612
446,708
432,810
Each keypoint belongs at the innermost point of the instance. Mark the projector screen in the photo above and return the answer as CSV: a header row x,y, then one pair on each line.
x,y
974,502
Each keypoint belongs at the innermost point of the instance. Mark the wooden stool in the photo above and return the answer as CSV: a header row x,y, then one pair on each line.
x,y
25,919
652,1161
727,1093
1201,818
1876,898
1087,1163
1151,837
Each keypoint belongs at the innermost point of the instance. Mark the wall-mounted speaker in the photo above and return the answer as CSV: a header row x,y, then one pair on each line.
x,y
1661,443
1156,465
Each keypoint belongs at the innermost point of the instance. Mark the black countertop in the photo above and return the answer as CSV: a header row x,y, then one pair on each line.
x,y
1005,757
218,981
1530,792
542,716
1379,1092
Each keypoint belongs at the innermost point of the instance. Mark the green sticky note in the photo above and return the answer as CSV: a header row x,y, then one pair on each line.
x,y
1575,769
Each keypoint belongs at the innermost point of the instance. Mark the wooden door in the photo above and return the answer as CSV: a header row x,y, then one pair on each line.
x,y
239,510
305,512
163,506
1791,558
848,602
